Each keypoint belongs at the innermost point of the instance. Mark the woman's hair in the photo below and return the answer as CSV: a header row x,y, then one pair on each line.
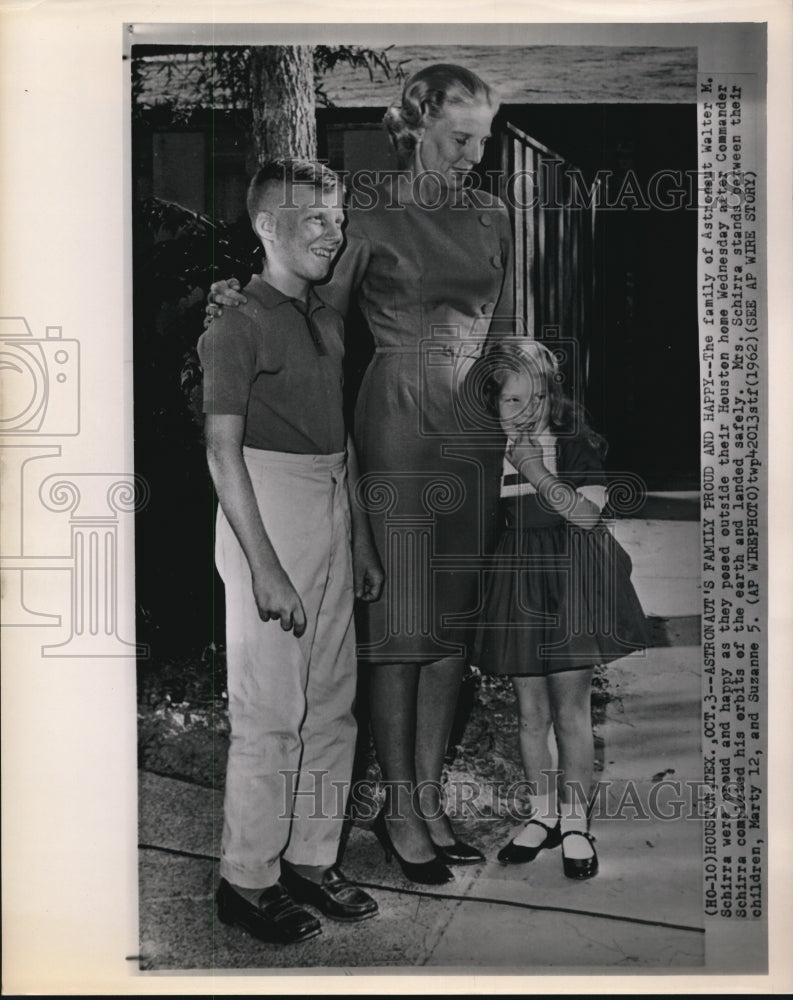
x,y
530,357
424,97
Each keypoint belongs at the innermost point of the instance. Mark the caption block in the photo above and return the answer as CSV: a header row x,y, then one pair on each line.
x,y
734,407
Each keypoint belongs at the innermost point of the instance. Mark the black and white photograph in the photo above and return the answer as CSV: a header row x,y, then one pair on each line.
x,y
430,576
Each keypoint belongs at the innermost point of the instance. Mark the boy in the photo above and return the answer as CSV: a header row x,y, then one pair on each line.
x,y
276,452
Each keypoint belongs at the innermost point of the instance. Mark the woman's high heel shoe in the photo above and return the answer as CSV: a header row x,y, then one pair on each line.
x,y
432,872
459,853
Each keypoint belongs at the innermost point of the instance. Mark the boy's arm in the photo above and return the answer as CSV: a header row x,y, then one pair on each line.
x,y
368,573
272,589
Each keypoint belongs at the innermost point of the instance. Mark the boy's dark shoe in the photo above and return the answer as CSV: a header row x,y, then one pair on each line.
x,y
276,918
334,896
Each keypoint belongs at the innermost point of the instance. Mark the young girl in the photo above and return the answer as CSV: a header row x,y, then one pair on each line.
x,y
560,599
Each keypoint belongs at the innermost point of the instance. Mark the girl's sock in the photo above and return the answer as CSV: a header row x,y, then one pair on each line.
x,y
573,818
543,809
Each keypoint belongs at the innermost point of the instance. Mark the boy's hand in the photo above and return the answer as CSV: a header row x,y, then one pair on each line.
x,y
367,570
277,598
222,293
526,455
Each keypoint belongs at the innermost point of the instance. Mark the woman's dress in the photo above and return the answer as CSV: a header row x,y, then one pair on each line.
x,y
431,283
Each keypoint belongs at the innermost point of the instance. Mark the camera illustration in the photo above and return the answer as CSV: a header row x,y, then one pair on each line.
x,y
39,380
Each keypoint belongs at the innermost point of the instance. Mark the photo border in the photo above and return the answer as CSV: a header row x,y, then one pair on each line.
x,y
69,725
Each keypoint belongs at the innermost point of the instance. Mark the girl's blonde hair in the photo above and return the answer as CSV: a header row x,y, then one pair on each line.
x,y
523,356
424,97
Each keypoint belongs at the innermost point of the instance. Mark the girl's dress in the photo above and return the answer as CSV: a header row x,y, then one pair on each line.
x,y
560,597
431,279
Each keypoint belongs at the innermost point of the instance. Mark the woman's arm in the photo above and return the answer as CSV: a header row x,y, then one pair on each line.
x,y
272,589
505,307
368,571
503,322
225,292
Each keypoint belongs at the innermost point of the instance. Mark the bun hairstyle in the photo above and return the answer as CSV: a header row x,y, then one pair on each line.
x,y
424,97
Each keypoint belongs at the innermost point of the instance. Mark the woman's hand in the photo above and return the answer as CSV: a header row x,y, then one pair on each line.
x,y
526,455
368,573
222,293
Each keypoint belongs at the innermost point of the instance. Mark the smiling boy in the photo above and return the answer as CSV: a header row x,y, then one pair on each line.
x,y
278,454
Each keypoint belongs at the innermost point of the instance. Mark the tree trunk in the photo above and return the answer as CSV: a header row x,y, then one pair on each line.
x,y
282,101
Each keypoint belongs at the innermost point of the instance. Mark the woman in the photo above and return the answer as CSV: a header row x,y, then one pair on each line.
x,y
430,261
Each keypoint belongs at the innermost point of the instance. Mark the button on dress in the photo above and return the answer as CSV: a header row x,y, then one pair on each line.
x,y
433,283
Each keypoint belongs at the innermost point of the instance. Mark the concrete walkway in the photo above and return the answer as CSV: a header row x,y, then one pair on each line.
x,y
643,911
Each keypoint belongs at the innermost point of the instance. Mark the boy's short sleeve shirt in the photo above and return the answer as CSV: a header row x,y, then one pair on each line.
x,y
278,363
